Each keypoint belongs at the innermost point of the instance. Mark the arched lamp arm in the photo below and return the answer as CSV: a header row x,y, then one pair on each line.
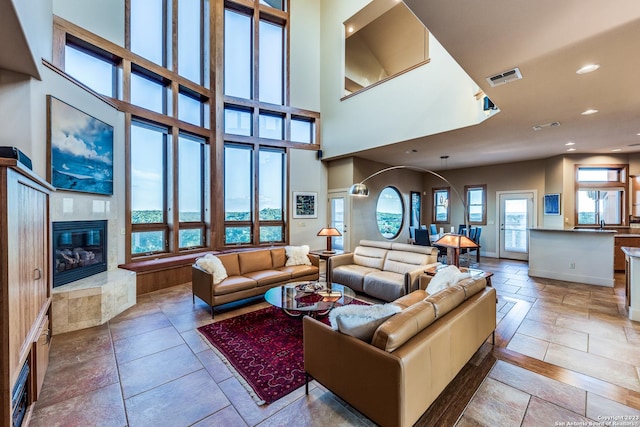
x,y
390,168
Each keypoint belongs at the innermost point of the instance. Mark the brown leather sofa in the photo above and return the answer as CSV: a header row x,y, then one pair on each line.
x,y
250,273
412,357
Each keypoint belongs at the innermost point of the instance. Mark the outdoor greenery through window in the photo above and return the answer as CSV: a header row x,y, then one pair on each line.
x,y
191,150
162,83
390,212
240,216
440,205
148,188
600,194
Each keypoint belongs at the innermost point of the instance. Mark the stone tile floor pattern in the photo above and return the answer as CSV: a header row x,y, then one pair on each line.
x,y
149,367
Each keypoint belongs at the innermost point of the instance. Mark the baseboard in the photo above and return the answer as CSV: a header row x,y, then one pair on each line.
x,y
578,278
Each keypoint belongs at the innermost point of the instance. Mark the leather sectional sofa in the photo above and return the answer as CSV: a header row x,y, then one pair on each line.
x,y
250,273
383,270
412,357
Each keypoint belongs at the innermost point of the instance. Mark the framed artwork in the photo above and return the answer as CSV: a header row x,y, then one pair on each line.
x,y
305,204
80,150
414,219
552,204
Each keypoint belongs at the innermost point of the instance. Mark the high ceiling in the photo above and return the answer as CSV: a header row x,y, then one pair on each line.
x,y
548,40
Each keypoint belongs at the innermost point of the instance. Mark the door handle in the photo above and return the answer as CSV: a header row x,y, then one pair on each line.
x,y
37,274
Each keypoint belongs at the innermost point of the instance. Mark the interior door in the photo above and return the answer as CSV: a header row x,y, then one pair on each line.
x,y
339,214
516,215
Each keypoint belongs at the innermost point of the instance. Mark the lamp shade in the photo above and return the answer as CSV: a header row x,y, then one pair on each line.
x,y
360,190
329,232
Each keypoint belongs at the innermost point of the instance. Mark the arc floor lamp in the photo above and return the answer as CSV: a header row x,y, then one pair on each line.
x,y
450,240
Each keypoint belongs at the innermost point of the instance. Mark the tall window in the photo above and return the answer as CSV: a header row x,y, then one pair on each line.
x,y
237,54
441,208
476,197
241,216
271,188
162,83
150,30
92,66
600,194
271,69
191,42
148,188
149,91
191,156
238,200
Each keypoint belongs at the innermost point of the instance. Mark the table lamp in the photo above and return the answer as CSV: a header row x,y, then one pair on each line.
x,y
329,232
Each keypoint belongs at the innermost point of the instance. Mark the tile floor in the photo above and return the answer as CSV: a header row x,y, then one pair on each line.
x,y
149,366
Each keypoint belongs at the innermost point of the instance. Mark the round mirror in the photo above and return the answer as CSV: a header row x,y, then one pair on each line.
x,y
390,212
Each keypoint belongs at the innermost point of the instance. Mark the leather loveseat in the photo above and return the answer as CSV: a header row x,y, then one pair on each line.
x,y
249,274
412,356
383,270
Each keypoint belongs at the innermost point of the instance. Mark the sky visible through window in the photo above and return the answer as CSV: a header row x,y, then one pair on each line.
x,y
147,172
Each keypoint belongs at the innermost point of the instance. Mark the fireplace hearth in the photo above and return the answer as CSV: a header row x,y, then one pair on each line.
x,y
79,250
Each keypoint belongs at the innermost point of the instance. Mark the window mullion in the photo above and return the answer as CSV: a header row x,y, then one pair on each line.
x,y
255,77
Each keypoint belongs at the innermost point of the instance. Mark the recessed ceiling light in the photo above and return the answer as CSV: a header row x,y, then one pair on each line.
x,y
411,151
350,29
615,150
588,69
589,112
570,143
571,149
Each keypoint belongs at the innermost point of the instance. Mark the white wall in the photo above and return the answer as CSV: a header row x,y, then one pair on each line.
x,y
35,19
304,56
74,206
307,174
433,98
102,17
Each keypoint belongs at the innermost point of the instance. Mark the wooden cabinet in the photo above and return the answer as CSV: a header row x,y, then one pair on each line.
x,y
635,195
618,255
25,282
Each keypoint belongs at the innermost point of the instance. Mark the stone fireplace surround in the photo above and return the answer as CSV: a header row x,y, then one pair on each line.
x,y
96,299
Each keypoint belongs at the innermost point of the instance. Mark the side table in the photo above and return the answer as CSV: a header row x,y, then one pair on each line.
x,y
325,256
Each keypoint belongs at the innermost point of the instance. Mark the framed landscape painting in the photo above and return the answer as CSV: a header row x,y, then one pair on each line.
x,y
81,150
305,204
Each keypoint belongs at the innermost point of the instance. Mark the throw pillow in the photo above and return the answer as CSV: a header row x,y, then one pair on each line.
x,y
361,321
445,277
213,265
297,255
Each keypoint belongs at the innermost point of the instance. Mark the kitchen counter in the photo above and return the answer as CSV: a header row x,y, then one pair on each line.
x,y
580,255
632,256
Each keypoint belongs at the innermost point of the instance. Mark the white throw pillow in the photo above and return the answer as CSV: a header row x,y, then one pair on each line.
x,y
212,264
297,255
445,277
361,321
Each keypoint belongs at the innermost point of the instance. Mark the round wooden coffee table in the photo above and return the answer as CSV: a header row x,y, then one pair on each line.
x,y
296,298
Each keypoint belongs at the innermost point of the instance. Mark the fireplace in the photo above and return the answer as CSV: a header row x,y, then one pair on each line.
x,y
79,250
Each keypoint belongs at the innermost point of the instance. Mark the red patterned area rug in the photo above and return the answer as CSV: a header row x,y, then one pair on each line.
x,y
264,348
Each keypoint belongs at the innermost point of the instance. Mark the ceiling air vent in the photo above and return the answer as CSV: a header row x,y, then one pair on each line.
x,y
505,77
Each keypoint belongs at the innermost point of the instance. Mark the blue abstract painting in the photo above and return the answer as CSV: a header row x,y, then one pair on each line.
x,y
81,150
